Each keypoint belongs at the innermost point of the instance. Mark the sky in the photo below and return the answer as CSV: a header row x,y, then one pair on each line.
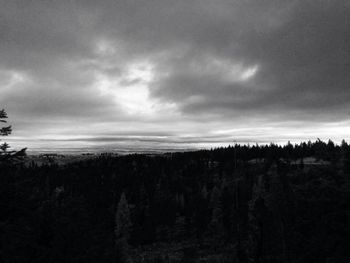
x,y
161,74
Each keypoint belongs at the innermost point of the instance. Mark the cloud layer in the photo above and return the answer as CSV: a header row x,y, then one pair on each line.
x,y
187,71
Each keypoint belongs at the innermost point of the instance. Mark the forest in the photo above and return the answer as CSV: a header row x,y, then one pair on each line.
x,y
241,203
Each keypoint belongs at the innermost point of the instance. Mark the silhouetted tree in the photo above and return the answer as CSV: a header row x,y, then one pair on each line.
x,y
5,154
122,229
216,223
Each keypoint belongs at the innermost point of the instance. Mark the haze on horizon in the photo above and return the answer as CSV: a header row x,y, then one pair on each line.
x,y
174,74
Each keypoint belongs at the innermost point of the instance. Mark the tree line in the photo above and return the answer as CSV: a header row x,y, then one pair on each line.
x,y
236,204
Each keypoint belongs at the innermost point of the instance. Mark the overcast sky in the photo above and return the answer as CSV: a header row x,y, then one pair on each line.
x,y
182,73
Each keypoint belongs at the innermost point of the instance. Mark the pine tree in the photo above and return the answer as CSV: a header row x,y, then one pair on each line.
x,y
216,223
271,217
204,192
5,154
122,230
202,215
122,219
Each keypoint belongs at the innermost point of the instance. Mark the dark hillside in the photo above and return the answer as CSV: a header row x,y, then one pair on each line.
x,y
238,204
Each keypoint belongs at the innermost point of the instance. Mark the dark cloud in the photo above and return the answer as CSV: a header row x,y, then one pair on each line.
x,y
303,64
174,66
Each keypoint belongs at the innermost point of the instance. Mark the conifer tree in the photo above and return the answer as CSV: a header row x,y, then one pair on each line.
x,y
204,192
122,229
216,223
122,219
5,154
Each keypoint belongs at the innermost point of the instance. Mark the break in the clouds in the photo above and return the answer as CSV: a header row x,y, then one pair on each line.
x,y
164,73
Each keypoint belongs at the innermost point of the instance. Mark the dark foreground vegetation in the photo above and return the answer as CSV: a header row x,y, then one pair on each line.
x,y
235,204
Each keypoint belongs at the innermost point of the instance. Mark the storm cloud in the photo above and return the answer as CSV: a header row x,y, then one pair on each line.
x,y
196,72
